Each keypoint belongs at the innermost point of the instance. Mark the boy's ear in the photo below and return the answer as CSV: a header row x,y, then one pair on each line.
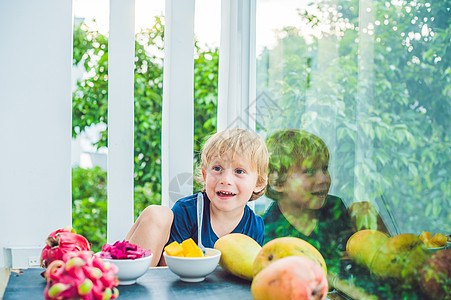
x,y
272,182
259,187
204,174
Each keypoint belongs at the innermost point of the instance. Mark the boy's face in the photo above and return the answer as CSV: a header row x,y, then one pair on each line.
x,y
230,183
307,185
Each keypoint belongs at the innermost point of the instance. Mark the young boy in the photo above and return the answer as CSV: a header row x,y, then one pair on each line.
x,y
299,183
233,171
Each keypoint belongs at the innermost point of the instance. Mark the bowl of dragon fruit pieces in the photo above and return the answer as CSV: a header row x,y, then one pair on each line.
x,y
131,260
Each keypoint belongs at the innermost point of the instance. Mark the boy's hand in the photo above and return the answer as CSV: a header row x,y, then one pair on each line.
x,y
363,216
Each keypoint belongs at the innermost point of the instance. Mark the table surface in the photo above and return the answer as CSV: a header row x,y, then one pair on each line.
x,y
157,283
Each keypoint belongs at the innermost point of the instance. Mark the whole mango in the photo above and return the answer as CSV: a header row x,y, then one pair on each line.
x,y
400,257
363,245
286,246
238,252
292,277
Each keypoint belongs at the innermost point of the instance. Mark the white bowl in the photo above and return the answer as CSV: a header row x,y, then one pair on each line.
x,y
194,269
436,248
129,270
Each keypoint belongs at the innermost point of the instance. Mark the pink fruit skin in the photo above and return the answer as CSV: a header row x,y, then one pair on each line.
x,y
292,277
61,242
71,272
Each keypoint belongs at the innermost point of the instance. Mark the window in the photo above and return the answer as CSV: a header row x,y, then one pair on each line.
x,y
370,78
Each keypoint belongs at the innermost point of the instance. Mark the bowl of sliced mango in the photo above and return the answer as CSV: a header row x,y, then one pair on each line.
x,y
188,261
434,242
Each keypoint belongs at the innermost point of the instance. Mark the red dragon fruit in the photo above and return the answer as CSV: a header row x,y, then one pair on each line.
x,y
60,242
123,250
81,275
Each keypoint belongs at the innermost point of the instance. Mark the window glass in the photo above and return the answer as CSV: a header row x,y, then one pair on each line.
x,y
353,98
90,106
148,94
89,115
207,25
90,109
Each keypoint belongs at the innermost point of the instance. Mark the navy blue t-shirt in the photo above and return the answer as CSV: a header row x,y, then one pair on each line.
x,y
184,225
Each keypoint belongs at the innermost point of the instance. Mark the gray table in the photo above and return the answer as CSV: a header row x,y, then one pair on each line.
x,y
157,283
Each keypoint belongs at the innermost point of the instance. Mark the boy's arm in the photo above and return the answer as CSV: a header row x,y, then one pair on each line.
x,y
365,216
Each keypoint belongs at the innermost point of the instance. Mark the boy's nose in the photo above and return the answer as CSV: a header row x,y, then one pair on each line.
x,y
323,177
226,177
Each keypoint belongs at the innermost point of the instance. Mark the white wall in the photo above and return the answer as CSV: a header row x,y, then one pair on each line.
x,y
35,121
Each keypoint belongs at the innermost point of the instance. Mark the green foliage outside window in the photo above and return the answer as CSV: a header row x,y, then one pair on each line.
x,y
90,106
381,99
89,203
383,103
89,207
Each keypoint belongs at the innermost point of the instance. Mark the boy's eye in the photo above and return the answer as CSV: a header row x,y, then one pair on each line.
x,y
240,171
309,171
217,169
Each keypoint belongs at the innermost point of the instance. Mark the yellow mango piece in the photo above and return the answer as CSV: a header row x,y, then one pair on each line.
x,y
425,237
196,252
434,245
430,244
174,249
188,245
439,240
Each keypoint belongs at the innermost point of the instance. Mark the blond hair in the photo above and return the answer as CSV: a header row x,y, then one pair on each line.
x,y
290,147
235,141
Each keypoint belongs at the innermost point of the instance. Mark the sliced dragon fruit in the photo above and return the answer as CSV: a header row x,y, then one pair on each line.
x,y
81,275
123,250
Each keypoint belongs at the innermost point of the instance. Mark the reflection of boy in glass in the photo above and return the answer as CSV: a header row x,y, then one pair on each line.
x,y
299,183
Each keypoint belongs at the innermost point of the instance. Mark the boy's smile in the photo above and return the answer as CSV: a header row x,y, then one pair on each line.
x,y
225,194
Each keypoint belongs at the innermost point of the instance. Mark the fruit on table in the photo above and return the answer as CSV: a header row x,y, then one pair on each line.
x,y
238,252
363,244
286,246
80,275
187,248
435,275
60,242
400,257
292,277
123,250
436,241
190,249
174,249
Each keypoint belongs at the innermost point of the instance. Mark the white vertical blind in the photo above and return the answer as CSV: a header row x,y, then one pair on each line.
x,y
236,87
121,48
178,101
